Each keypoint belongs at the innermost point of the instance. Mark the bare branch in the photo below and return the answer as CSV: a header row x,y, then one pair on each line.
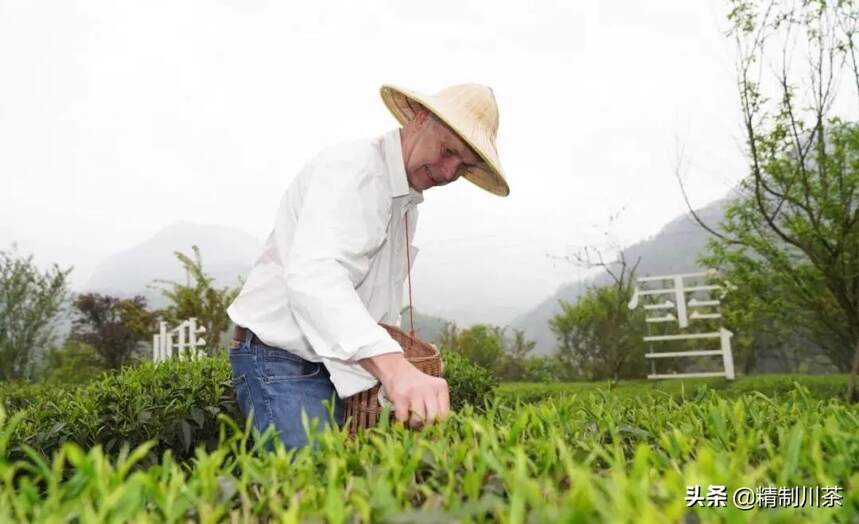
x,y
692,211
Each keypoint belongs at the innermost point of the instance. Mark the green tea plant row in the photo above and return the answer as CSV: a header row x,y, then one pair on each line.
x,y
174,404
591,457
822,387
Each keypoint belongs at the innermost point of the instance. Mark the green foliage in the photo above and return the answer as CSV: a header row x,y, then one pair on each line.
x,y
29,302
513,364
590,457
72,363
819,387
114,327
202,300
173,403
782,297
794,230
599,336
481,344
488,347
545,369
468,383
16,395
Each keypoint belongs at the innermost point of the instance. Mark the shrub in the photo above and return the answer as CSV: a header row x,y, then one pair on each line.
x,y
17,395
468,382
73,363
174,403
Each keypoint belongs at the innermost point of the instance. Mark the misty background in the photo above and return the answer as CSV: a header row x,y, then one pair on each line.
x,y
129,130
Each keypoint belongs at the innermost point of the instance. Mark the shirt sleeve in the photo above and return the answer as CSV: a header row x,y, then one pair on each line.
x,y
343,221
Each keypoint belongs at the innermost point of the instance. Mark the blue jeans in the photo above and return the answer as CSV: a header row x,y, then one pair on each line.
x,y
274,386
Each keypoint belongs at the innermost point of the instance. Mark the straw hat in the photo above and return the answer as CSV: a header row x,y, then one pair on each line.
x,y
470,111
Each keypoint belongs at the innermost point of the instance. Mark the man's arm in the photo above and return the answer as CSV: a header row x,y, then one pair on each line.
x,y
385,367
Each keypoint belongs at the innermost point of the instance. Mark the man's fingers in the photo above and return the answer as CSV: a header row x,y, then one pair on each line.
x,y
419,412
444,402
423,400
432,407
401,411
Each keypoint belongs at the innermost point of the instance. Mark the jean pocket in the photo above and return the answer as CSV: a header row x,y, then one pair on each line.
x,y
278,364
239,349
242,393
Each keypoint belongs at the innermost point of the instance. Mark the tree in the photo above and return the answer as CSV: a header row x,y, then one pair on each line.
x,y
765,318
73,363
114,327
449,336
797,214
513,364
520,346
202,300
482,344
599,336
30,300
489,347
545,369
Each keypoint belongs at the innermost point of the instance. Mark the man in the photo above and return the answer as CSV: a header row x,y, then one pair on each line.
x,y
335,263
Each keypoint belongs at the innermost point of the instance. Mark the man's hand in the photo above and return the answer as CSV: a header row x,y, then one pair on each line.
x,y
418,398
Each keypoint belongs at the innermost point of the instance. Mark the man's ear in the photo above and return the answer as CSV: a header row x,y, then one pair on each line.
x,y
421,116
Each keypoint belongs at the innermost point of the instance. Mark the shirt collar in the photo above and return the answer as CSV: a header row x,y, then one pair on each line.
x,y
393,148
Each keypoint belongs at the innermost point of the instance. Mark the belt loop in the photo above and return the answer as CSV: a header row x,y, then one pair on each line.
x,y
249,335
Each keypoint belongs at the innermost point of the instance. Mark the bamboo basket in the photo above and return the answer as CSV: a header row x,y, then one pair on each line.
x,y
363,409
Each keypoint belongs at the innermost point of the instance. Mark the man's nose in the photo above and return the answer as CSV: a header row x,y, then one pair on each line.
x,y
450,168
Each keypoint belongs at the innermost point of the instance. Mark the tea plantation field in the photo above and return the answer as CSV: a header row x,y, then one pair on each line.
x,y
165,444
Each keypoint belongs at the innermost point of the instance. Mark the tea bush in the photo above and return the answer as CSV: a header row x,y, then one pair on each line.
x,y
822,387
15,395
468,383
174,404
588,457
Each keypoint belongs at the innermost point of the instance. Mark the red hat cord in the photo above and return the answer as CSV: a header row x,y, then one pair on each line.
x,y
409,277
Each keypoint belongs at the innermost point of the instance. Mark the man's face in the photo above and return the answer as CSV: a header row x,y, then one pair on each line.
x,y
438,156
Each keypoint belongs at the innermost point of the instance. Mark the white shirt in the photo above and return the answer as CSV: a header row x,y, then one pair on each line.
x,y
334,265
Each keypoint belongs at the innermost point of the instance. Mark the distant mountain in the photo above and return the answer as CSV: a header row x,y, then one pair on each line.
x,y
672,250
82,260
227,254
428,328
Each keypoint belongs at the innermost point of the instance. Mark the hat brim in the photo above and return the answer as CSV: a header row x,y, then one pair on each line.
x,y
489,176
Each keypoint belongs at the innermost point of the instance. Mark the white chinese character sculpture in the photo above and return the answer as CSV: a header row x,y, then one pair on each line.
x,y
187,343
702,308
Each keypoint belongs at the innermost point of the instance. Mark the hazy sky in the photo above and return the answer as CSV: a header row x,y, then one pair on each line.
x,y
119,118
